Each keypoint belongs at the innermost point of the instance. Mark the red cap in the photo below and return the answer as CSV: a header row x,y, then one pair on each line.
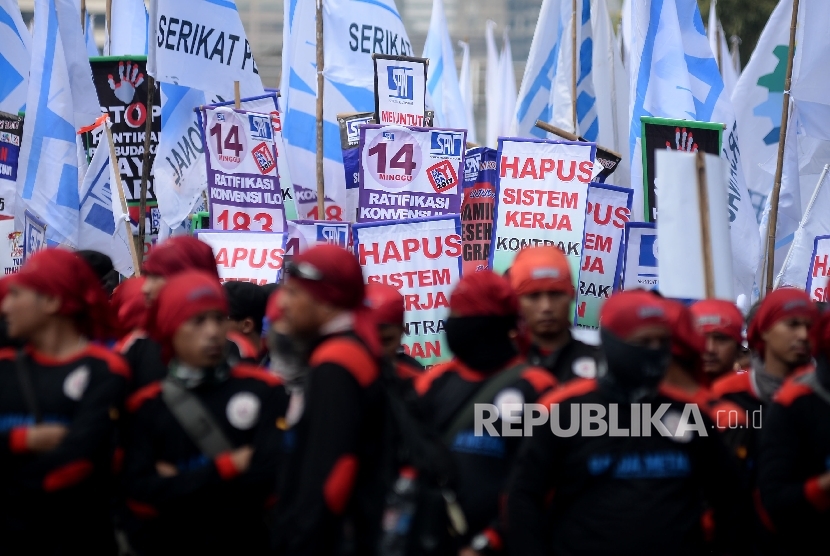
x,y
624,313
128,305
272,311
718,315
179,254
541,268
783,303
63,274
386,302
686,341
183,297
482,294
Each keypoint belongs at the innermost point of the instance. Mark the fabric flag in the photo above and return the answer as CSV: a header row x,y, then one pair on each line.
x,y
508,84
493,87
61,100
810,78
349,87
89,36
562,94
466,81
188,46
442,79
129,28
534,102
15,58
736,54
815,223
586,109
717,42
674,75
102,217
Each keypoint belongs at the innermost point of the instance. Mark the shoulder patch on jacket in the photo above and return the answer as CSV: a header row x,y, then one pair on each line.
x,y
540,379
117,364
733,383
244,370
791,390
350,355
574,388
142,395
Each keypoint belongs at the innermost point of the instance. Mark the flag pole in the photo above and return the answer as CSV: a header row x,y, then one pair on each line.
x,y
109,23
237,97
83,16
705,231
717,38
145,170
123,201
321,191
573,66
779,168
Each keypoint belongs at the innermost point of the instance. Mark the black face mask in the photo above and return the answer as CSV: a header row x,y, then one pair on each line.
x,y
482,343
633,372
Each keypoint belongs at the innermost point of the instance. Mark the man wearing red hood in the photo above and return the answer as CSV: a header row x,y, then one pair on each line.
x,y
59,398
203,444
331,489
483,313
388,307
722,324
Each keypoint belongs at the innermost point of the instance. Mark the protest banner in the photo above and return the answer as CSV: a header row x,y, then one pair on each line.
x,y
480,174
609,208
34,234
400,90
247,256
11,246
350,147
304,234
244,192
541,198
693,229
422,259
660,134
639,257
818,283
11,132
409,172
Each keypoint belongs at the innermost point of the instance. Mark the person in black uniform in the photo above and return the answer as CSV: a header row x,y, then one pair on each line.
x,y
59,398
621,491
388,307
247,303
203,446
541,277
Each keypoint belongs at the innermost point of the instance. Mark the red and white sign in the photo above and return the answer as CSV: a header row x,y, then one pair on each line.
x,y
247,256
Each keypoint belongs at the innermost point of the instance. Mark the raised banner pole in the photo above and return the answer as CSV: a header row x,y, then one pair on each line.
x,y
567,135
237,97
108,19
145,167
123,201
705,231
779,167
573,66
321,190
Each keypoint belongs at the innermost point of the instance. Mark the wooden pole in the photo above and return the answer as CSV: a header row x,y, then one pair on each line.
x,y
569,136
321,190
123,201
705,230
145,169
779,168
237,98
83,16
573,67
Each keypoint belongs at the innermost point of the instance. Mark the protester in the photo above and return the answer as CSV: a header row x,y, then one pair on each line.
x,y
102,265
287,359
793,477
629,493
203,445
331,492
61,395
487,369
541,278
247,303
129,309
722,324
388,306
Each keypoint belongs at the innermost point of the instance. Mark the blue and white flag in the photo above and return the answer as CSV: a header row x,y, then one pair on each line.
x,y
128,36
465,79
15,57
674,75
507,82
103,224
442,79
89,36
586,100
810,80
61,100
493,89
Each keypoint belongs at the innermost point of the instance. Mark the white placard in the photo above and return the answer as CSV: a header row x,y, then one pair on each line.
x,y
247,256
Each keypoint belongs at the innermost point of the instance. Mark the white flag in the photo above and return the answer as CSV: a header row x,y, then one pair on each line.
x,y
811,81
492,88
508,85
466,81
89,36
15,57
129,34
717,42
442,79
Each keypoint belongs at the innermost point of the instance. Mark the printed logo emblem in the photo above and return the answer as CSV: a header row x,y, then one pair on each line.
x,y
442,176
472,163
261,127
333,235
401,82
509,396
584,367
243,410
263,157
445,143
74,385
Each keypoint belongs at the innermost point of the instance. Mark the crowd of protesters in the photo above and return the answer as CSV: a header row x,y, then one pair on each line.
x,y
175,415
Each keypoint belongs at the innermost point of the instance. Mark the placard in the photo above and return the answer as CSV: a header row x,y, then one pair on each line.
x,y
541,198
422,259
400,90
244,191
350,148
305,234
609,208
477,207
409,172
11,133
34,235
817,279
639,257
247,256
11,247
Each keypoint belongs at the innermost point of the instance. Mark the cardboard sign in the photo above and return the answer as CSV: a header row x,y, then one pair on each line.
x,y
639,257
541,198
409,172
11,246
244,191
609,208
480,171
400,90
11,133
247,256
818,279
34,235
305,234
422,259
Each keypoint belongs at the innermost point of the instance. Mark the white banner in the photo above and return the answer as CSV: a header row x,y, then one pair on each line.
x,y
640,257
422,259
247,256
305,234
817,280
541,198
409,172
400,90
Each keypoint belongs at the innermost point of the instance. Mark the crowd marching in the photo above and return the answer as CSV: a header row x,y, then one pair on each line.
x,y
180,416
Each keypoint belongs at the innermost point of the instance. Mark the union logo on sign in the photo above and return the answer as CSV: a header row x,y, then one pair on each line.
x,y
263,157
442,176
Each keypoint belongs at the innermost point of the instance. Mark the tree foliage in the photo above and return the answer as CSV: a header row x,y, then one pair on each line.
x,y
743,18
